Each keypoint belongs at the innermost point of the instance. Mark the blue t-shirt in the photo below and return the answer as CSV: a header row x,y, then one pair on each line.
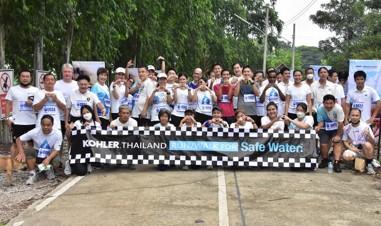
x,y
330,118
104,96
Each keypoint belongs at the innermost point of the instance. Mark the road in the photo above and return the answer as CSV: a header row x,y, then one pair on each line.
x,y
210,197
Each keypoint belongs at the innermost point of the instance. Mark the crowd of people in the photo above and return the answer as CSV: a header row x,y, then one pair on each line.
x,y
236,98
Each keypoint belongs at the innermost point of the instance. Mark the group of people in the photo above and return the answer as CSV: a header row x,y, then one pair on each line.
x,y
241,98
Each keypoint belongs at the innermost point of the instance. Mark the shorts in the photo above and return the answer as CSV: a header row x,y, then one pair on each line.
x,y
18,130
54,161
326,136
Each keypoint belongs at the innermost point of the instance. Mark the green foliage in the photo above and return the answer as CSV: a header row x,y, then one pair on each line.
x,y
284,56
310,55
357,28
189,33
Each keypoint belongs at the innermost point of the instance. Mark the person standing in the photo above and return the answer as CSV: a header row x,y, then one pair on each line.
x,y
182,98
197,75
272,93
204,98
118,91
225,92
49,101
100,89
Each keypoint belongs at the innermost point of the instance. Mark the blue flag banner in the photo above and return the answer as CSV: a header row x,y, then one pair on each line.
x,y
372,69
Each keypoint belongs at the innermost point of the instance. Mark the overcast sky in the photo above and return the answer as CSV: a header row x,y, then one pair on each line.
x,y
307,33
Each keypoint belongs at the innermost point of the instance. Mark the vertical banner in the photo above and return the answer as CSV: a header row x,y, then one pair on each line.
x,y
38,79
372,69
6,81
88,68
316,69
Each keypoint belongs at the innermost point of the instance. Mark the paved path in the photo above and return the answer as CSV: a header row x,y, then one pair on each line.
x,y
197,197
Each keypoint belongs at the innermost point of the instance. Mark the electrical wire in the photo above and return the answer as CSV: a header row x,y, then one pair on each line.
x,y
301,12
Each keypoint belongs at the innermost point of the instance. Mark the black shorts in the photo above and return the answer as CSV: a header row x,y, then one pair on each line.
x,y
326,136
18,130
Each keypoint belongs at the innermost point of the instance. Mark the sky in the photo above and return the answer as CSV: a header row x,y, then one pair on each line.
x,y
307,33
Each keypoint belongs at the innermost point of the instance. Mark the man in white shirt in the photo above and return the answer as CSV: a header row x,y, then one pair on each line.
x,y
20,101
49,101
81,97
141,92
358,140
118,91
124,119
362,98
339,90
66,86
283,86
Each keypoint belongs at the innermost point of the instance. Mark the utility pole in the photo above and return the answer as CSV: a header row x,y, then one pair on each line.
x,y
293,47
265,41
2,46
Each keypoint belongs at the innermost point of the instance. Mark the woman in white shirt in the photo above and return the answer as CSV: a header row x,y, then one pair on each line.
x,y
302,120
272,121
243,121
160,99
204,99
164,117
182,97
188,120
297,93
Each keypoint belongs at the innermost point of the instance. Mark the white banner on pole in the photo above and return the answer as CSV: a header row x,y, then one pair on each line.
x,y
88,68
372,68
6,81
39,78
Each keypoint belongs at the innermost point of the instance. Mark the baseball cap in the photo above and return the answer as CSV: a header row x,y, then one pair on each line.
x,y
151,67
120,70
161,75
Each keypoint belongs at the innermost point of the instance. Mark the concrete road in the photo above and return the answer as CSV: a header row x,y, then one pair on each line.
x,y
196,197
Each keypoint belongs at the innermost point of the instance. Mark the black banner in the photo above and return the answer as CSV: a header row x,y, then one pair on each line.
x,y
195,146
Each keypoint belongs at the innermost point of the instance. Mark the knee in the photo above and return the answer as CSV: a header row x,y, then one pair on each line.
x,y
349,155
368,147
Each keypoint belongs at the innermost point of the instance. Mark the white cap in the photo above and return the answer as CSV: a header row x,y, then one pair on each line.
x,y
151,67
120,70
161,75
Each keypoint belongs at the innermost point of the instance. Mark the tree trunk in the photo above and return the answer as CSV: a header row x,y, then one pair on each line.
x,y
39,53
2,46
69,41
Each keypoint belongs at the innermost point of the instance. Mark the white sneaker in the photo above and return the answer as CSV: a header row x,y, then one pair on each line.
x,y
67,170
50,173
370,170
376,163
32,178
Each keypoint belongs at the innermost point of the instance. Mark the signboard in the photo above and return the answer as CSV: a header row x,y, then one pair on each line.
x,y
372,69
39,78
88,68
6,81
195,146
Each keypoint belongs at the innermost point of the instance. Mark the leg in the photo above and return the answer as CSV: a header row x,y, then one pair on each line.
x,y
337,151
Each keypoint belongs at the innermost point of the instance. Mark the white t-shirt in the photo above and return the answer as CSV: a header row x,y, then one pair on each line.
x,y
50,108
23,114
248,125
158,125
159,102
66,88
357,134
130,123
307,119
78,99
272,95
182,103
339,92
204,102
319,91
115,103
141,97
127,100
283,87
78,124
260,107
363,100
43,143
298,95
278,125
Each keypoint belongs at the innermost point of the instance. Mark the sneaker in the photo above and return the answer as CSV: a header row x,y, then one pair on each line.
x,y
370,170
323,164
50,173
185,168
376,163
67,170
32,178
336,167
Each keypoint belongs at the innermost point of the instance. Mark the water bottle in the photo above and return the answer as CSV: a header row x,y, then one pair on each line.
x,y
330,167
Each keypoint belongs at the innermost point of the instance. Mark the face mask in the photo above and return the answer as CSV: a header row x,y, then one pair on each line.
x,y
300,114
87,116
310,76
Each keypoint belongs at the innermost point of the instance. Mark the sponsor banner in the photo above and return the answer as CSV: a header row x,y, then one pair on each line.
x,y
196,146
6,82
88,68
372,69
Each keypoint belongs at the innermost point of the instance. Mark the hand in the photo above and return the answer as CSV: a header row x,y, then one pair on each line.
x,y
46,161
29,102
160,58
118,81
248,119
143,114
285,117
130,63
54,97
317,128
20,156
370,121
336,139
139,85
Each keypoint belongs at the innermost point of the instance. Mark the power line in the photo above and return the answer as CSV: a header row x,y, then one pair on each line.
x,y
303,11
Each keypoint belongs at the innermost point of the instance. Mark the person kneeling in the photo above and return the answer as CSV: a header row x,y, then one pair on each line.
x,y
47,143
358,141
